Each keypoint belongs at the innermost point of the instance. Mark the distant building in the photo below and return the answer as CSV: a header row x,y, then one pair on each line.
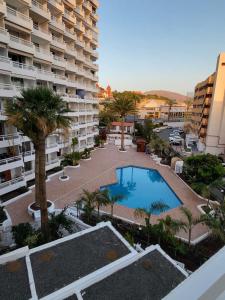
x,y
158,109
105,93
116,127
208,118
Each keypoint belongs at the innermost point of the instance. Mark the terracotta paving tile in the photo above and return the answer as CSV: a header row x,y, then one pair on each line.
x,y
99,171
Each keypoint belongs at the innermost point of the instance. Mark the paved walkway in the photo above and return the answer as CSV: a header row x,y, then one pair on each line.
x,y
100,170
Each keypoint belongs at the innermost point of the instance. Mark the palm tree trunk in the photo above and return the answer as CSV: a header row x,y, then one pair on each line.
x,y
122,136
37,193
111,210
42,190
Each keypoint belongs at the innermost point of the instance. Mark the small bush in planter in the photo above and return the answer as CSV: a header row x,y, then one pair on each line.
x,y
21,232
86,153
97,140
71,159
3,216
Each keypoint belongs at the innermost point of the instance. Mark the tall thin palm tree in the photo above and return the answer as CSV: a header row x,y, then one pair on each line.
x,y
170,103
89,201
102,199
146,213
37,114
189,223
122,106
74,143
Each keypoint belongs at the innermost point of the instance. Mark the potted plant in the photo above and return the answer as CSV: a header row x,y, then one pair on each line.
x,y
86,154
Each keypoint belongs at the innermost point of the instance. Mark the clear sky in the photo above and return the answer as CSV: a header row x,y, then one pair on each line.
x,y
159,44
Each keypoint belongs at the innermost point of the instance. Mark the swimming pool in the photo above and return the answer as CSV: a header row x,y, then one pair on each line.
x,y
140,187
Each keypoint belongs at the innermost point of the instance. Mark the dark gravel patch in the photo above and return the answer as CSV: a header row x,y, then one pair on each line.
x,y
14,282
150,278
60,265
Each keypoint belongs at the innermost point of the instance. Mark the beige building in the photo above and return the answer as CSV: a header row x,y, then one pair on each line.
x,y
201,105
208,120
50,43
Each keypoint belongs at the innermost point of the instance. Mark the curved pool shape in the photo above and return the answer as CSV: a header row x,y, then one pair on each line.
x,y
140,187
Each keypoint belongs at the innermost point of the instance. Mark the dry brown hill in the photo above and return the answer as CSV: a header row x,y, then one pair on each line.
x,y
168,94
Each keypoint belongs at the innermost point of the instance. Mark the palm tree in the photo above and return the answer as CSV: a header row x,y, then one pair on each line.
x,y
37,114
190,222
112,200
216,221
146,213
170,103
188,103
122,106
74,143
102,199
171,226
89,200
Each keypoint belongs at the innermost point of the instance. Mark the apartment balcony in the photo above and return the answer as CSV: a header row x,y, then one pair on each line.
x,y
88,35
11,185
69,33
82,124
59,61
91,100
50,148
73,113
79,11
71,67
69,16
95,2
9,140
57,5
44,75
8,90
21,44
80,43
59,79
52,164
71,51
58,43
2,8
29,155
80,57
4,35
18,18
40,10
23,70
75,126
71,98
41,33
79,27
58,25
87,5
44,54
5,64
29,175
11,163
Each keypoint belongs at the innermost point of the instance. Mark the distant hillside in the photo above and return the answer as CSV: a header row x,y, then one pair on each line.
x,y
167,94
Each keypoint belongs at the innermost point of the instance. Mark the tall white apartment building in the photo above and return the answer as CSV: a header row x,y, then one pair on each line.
x,y
51,43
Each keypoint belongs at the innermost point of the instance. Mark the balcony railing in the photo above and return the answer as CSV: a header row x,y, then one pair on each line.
x,y
23,66
11,182
39,5
7,137
10,160
21,41
18,14
52,161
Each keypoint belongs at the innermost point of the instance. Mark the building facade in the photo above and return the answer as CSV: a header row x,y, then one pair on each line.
x,y
201,106
47,43
208,120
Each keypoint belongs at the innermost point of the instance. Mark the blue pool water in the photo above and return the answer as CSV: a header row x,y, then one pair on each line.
x,y
140,187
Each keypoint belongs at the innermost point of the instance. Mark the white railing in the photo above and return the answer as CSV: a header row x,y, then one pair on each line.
x,y
37,27
5,86
7,137
4,59
29,153
18,14
22,66
10,160
58,58
39,5
51,146
43,51
21,41
52,161
26,173
11,182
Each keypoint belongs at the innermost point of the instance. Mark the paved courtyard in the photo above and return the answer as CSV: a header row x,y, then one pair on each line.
x,y
100,170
